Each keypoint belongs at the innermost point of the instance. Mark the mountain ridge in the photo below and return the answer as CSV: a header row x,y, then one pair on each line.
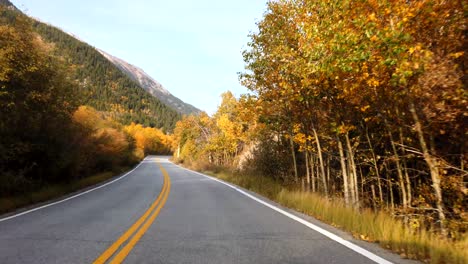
x,y
8,4
151,85
100,82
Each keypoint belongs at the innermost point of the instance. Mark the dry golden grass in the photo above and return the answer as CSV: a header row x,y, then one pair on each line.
x,y
379,227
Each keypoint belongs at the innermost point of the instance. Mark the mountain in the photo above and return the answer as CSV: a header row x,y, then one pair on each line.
x,y
101,83
151,85
7,3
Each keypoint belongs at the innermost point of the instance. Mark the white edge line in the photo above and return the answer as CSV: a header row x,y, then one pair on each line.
x,y
71,197
322,231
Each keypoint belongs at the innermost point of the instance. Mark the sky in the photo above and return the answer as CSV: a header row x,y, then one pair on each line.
x,y
193,48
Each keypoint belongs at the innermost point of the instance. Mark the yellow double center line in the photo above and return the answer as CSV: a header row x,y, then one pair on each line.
x,y
138,229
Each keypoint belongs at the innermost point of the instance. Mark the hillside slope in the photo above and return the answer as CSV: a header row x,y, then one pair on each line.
x,y
151,85
102,84
6,3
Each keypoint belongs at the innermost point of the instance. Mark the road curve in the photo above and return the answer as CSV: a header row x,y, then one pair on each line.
x,y
162,213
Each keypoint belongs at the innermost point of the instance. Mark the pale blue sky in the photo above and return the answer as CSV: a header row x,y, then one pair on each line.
x,y
192,47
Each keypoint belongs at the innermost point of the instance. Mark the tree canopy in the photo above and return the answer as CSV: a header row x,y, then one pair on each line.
x,y
364,100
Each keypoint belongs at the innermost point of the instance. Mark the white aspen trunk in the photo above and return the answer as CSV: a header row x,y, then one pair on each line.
x,y
409,195
351,180
322,167
462,163
399,171
312,173
344,172
353,168
432,163
374,198
362,182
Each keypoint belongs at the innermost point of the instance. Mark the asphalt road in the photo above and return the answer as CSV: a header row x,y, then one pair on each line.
x,y
162,213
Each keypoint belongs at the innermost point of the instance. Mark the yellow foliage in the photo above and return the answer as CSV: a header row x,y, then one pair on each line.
x,y
218,139
87,117
149,140
111,141
103,140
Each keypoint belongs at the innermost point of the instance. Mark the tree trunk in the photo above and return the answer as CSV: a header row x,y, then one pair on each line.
x,y
344,171
328,173
312,172
362,182
376,168
354,172
390,189
374,198
409,195
322,167
293,152
399,170
462,163
432,163
306,153
351,179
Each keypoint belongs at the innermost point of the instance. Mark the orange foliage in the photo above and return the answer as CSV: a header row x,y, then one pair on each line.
x,y
103,142
149,140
